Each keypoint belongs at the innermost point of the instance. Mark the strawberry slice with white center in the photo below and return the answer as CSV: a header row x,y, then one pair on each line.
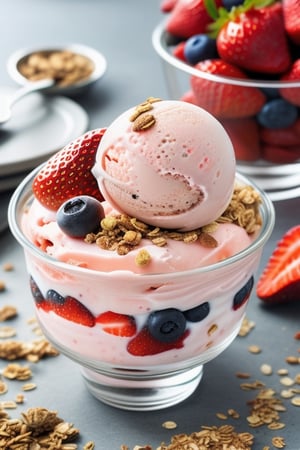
x,y
117,324
280,280
68,173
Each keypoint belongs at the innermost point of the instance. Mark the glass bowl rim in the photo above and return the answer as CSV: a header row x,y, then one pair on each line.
x,y
23,194
161,48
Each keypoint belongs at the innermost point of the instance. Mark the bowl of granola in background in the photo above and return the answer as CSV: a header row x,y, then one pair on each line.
x,y
258,107
74,67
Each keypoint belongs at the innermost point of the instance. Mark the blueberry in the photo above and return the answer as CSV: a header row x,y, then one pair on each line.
x,y
35,290
243,294
228,4
54,297
277,113
198,313
80,216
166,325
200,47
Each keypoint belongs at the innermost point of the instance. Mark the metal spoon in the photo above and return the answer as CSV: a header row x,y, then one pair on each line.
x,y
8,100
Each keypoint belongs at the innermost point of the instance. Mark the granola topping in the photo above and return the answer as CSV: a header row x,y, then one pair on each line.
x,y
122,233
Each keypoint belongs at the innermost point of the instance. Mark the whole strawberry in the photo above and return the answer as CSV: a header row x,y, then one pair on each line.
x,y
227,101
188,17
68,173
252,36
291,15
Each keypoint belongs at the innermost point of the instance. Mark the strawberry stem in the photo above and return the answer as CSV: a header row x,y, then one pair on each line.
x,y
211,8
221,15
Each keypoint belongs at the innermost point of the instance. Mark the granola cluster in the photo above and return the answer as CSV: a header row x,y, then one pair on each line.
x,y
141,118
123,233
37,428
243,209
31,351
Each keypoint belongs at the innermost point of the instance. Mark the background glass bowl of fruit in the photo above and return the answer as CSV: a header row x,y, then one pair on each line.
x,y
241,62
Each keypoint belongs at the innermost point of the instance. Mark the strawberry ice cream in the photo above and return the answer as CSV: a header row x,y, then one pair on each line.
x,y
167,163
149,291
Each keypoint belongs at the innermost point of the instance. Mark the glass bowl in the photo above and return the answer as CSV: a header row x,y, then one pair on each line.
x,y
161,374
77,66
269,156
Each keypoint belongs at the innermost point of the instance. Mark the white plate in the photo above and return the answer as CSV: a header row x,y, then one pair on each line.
x,y
40,126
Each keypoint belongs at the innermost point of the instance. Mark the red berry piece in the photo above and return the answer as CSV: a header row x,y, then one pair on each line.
x,y
68,173
188,17
225,101
254,39
291,16
292,95
279,154
144,344
244,135
67,307
280,280
117,324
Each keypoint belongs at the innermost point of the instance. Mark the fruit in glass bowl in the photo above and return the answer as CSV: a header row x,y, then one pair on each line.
x,y
241,62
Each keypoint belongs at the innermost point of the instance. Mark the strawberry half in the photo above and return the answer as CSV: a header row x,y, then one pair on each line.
x,y
280,280
117,324
224,100
68,173
144,344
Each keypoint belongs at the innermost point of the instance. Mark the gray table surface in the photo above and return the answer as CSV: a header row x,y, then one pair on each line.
x,y
122,29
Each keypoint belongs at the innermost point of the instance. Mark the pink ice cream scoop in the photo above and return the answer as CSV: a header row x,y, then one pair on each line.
x,y
168,163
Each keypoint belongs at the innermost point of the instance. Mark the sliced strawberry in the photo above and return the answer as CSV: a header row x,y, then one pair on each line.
x,y
244,137
70,309
291,15
280,280
178,51
227,101
117,324
284,137
144,344
292,95
68,173
254,39
188,17
280,155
